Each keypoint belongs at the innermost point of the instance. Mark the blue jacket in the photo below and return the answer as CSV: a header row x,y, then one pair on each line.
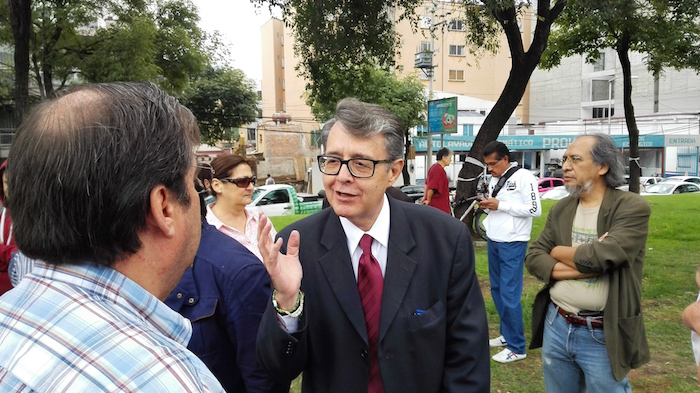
x,y
224,294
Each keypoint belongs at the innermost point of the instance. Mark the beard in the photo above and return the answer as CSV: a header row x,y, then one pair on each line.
x,y
580,189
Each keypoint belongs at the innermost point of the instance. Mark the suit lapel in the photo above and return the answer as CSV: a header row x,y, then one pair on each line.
x,y
337,267
399,267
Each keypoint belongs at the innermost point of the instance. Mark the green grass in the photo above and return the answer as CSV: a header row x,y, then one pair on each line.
x,y
673,254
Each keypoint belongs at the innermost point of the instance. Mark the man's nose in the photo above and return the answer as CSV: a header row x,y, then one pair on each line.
x,y
344,174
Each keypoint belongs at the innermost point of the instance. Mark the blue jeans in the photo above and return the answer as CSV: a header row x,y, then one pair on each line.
x,y
506,275
574,358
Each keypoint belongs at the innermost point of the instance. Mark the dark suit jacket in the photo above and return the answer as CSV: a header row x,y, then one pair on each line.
x,y
430,267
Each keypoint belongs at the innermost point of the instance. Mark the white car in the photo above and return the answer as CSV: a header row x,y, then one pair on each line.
x,y
671,187
644,182
688,179
555,193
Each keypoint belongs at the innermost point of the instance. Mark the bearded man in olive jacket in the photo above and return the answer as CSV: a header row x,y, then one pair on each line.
x,y
588,318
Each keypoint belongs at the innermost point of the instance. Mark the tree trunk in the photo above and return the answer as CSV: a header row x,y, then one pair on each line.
x,y
404,171
20,12
522,66
633,131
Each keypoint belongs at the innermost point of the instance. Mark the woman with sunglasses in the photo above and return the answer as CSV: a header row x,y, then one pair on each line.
x,y
233,185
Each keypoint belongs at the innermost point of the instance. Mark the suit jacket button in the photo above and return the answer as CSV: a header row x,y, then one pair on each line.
x,y
364,353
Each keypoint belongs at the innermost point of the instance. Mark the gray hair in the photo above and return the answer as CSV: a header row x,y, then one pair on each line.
x,y
604,152
364,121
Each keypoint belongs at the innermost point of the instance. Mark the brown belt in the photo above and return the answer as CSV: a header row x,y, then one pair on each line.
x,y
573,319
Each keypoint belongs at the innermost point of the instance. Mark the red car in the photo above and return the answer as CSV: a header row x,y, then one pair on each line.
x,y
547,183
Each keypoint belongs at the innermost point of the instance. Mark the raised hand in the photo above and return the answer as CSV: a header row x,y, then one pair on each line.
x,y
284,269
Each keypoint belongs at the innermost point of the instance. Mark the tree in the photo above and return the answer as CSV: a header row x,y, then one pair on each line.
x,y
342,33
484,21
124,53
669,32
19,14
158,40
369,83
222,99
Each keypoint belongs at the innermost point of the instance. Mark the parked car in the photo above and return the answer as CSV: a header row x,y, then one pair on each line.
x,y
671,187
414,191
555,193
547,183
282,199
644,182
689,179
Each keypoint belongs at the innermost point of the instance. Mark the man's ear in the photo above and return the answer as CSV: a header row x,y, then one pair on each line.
x,y
162,213
604,168
395,169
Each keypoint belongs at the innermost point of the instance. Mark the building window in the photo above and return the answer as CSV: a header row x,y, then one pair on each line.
x,y
599,90
456,75
602,113
468,129
425,46
456,24
425,22
456,50
599,64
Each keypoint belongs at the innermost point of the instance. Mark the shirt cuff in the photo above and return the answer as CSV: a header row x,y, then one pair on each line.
x,y
289,324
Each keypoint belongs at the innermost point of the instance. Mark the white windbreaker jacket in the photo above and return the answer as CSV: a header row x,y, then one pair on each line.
x,y
518,203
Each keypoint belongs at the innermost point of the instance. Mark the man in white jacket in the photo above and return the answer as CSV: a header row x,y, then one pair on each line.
x,y
513,202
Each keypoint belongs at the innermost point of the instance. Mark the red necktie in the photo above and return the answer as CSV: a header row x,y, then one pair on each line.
x,y
370,284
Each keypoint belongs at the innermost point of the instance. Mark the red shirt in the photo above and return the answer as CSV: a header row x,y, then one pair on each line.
x,y
437,181
7,247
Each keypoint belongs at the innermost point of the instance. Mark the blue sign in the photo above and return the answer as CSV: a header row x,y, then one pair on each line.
x,y
460,143
442,115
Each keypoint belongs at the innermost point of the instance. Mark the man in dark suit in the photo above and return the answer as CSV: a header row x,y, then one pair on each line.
x,y
389,301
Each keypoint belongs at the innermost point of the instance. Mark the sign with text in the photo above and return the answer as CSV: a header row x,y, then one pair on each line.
x,y
460,143
442,116
682,140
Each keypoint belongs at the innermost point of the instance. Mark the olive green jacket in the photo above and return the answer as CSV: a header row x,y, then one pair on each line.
x,y
625,217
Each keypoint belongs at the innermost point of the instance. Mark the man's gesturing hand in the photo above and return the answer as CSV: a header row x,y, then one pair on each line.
x,y
284,270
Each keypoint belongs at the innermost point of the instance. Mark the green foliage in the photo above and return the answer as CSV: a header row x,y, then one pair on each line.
x,y
668,31
366,82
124,53
179,42
222,99
347,49
156,40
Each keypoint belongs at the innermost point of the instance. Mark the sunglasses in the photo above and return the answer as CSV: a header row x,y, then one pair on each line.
x,y
241,182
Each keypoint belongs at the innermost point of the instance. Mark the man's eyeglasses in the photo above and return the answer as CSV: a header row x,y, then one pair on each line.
x,y
493,164
358,167
241,182
573,160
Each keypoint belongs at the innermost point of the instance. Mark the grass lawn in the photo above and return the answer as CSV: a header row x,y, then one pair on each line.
x,y
673,254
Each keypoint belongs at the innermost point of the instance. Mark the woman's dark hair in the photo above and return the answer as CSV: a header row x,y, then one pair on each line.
x,y
224,164
83,165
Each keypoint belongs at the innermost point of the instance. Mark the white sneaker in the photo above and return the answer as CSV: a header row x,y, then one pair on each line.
x,y
507,356
498,342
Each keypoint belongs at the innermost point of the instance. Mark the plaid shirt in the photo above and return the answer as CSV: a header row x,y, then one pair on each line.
x,y
89,328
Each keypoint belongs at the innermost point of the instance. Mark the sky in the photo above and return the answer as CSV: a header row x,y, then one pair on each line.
x,y
239,23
